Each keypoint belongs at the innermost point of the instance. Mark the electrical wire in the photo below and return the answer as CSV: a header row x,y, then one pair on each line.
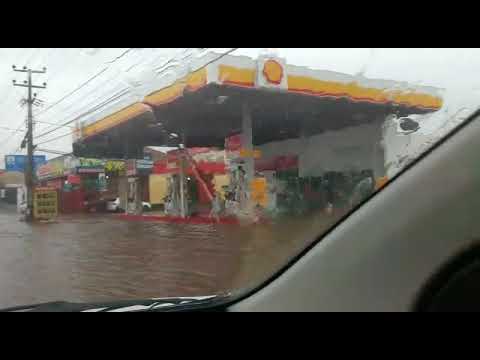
x,y
10,137
101,105
120,56
84,83
95,108
110,62
7,140
49,123
72,92
80,116
123,54
10,129
55,138
77,110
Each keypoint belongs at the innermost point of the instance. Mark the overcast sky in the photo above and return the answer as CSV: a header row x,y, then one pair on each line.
x,y
115,72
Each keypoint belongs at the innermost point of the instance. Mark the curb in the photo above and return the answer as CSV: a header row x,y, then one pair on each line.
x,y
179,220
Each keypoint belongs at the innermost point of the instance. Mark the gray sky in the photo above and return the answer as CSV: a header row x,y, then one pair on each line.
x,y
456,70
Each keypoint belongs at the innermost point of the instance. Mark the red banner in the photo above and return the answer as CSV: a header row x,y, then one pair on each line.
x,y
160,167
278,163
233,143
73,179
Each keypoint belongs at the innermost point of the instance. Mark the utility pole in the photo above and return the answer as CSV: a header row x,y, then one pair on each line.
x,y
30,165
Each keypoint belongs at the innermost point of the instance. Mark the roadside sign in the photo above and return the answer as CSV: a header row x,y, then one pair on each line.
x,y
246,153
54,168
18,162
144,166
137,167
90,166
45,203
114,166
74,179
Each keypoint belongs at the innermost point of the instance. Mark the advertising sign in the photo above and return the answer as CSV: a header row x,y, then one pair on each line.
x,y
90,170
139,167
69,164
54,168
114,166
90,166
144,167
45,203
19,162
73,179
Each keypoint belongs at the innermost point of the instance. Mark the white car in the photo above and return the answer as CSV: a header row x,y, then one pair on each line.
x,y
114,205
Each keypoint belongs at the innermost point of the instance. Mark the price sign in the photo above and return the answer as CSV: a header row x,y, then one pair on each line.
x,y
45,203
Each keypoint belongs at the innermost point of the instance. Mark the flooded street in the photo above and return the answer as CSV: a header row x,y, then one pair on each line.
x,y
98,257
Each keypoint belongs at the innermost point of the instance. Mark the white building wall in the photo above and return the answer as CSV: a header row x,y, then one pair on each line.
x,y
352,148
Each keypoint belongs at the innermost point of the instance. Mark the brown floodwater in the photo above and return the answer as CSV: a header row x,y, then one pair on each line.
x,y
98,257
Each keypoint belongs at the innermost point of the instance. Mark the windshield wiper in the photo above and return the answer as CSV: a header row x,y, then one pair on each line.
x,y
158,305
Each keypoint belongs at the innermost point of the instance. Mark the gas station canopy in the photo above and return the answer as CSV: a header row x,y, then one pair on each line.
x,y
285,101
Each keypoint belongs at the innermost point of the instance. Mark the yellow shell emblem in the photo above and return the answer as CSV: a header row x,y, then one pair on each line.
x,y
273,72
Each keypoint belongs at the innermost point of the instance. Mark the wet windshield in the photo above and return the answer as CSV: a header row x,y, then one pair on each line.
x,y
141,173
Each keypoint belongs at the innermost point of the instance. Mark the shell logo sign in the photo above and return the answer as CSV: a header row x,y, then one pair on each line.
x,y
273,72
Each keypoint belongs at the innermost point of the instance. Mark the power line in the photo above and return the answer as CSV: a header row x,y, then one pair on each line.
x,y
81,86
76,110
106,103
7,140
70,133
110,62
220,57
98,74
85,83
73,91
97,107
49,123
5,100
50,151
94,103
120,56
10,129
55,138
172,60
10,137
